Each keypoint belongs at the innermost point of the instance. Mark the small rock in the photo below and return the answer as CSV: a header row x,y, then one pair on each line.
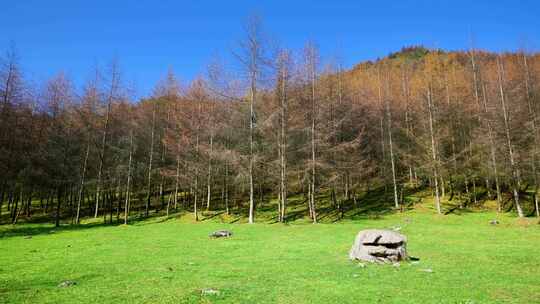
x,y
67,283
427,270
396,265
396,228
221,233
361,265
494,222
209,292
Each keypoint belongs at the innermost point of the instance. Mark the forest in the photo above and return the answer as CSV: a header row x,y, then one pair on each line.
x,y
460,124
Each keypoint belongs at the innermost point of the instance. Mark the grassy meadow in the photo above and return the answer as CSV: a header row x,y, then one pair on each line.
x,y
463,259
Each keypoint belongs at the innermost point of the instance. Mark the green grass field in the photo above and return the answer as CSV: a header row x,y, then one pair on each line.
x,y
171,260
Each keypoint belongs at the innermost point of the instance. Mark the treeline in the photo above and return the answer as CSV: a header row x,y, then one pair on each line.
x,y
464,124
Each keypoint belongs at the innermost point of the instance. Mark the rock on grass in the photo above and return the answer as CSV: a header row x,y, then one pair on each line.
x,y
209,292
67,283
378,245
220,234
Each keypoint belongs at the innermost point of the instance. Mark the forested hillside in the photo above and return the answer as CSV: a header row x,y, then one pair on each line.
x,y
461,123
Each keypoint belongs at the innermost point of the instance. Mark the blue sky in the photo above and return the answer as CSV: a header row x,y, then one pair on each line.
x,y
150,36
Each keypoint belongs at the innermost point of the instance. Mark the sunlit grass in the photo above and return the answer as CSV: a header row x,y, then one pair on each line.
x,y
171,260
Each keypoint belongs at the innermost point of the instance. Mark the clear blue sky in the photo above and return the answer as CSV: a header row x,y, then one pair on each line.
x,y
149,36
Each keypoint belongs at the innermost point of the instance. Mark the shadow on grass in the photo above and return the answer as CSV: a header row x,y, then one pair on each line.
x,y
208,216
40,227
373,204
370,204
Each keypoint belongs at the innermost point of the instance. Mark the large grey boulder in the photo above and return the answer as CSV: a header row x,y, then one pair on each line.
x,y
377,245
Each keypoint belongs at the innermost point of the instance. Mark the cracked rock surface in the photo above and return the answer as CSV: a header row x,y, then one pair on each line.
x,y
379,245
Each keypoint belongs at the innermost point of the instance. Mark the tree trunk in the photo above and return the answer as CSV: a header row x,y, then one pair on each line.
x,y
408,131
81,187
102,153
2,194
209,177
313,138
196,194
58,200
227,187
515,171
534,123
536,205
283,143
128,183
177,178
15,210
433,151
390,144
149,193
251,127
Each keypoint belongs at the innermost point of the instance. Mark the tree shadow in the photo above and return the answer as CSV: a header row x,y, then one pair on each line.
x,y
40,227
30,230
211,216
372,204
